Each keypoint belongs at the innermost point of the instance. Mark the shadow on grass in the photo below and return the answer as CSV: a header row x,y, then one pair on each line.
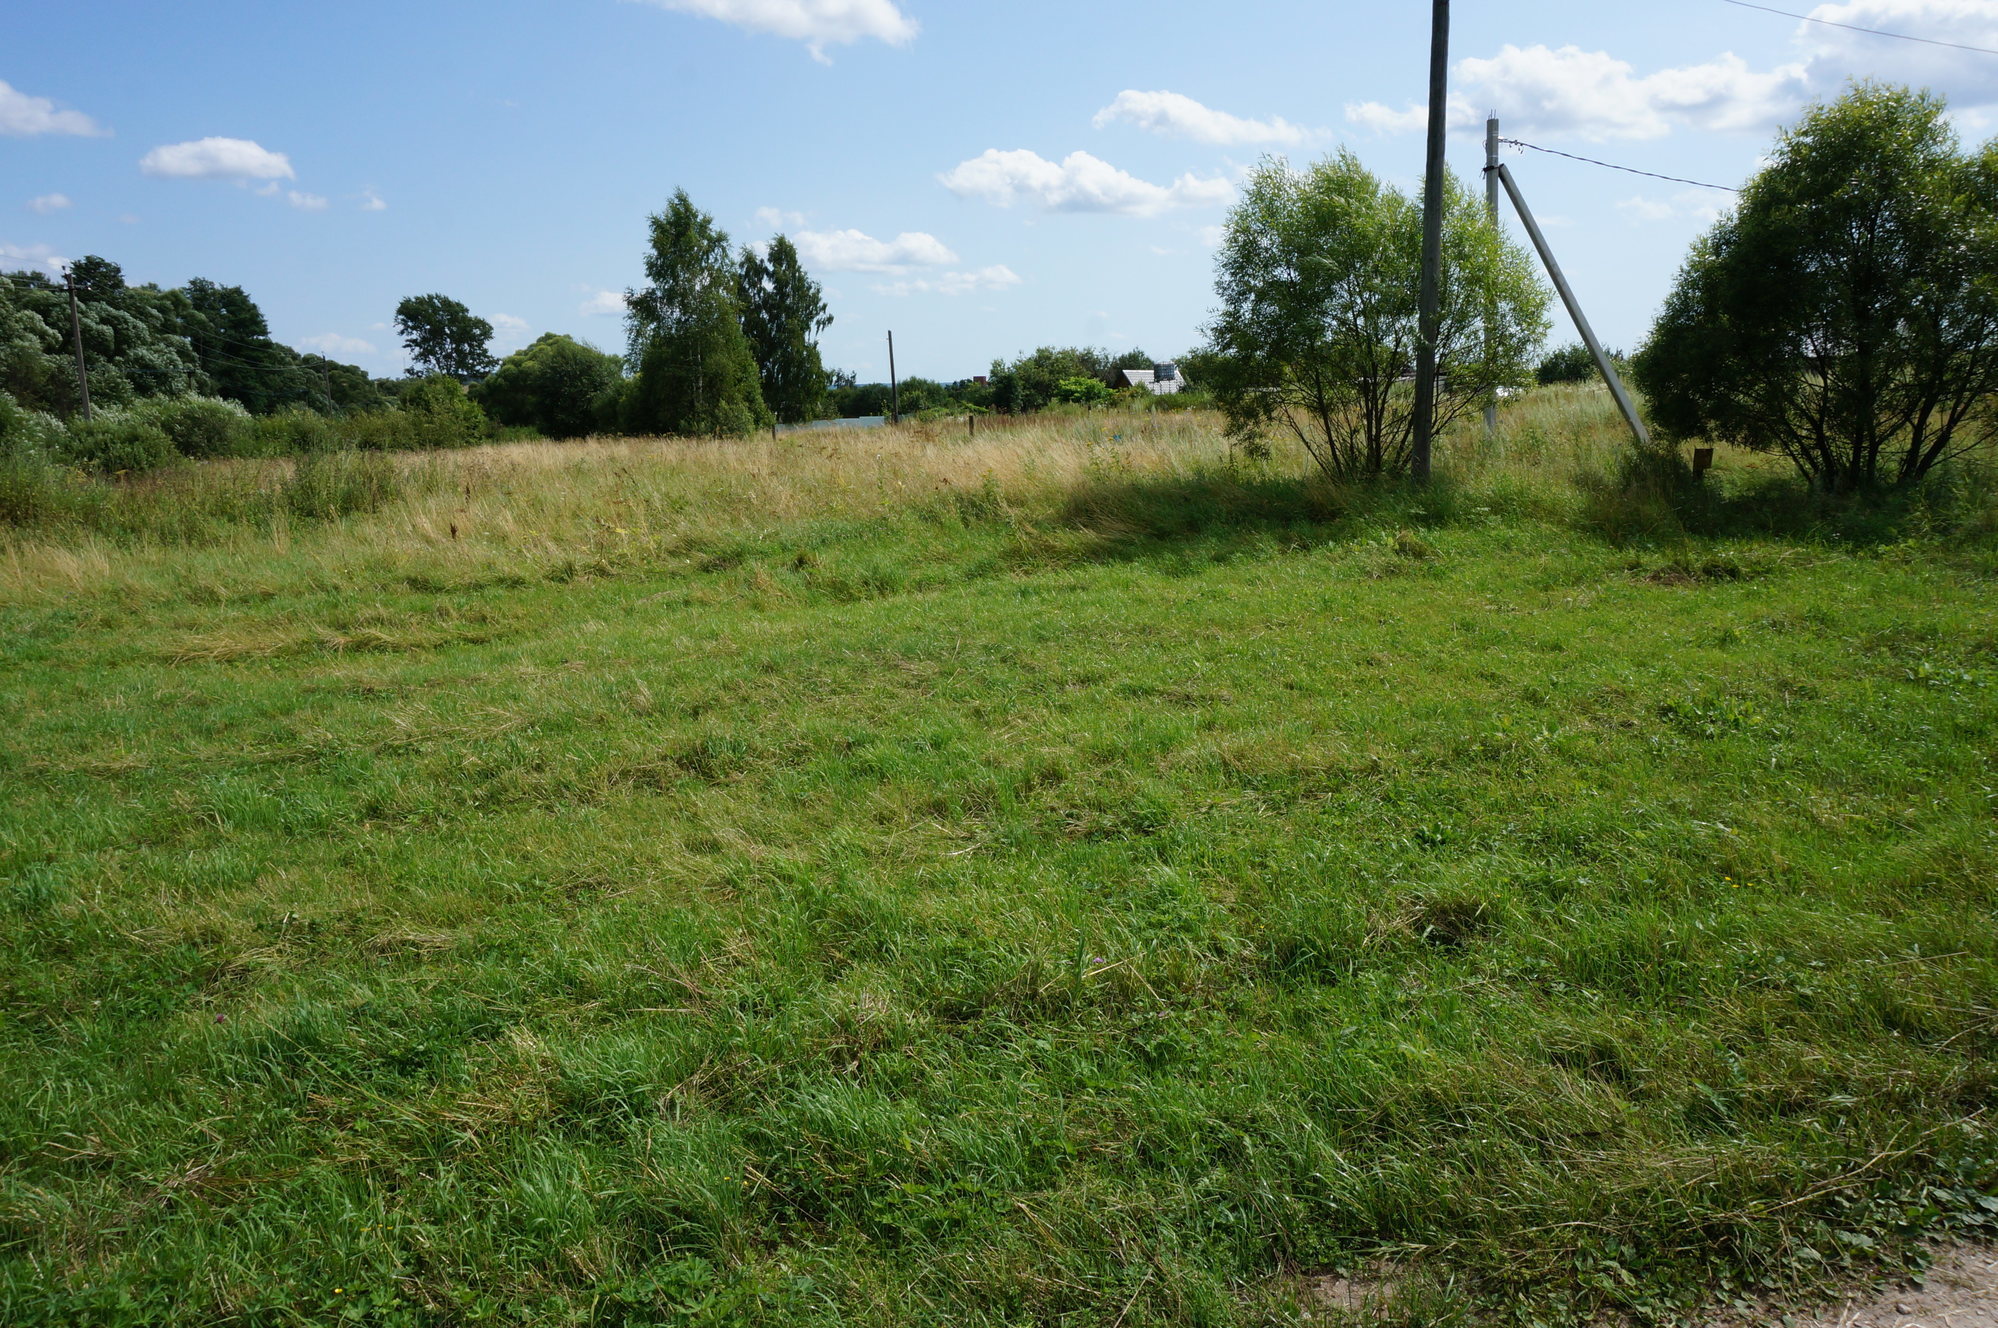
x,y
1656,499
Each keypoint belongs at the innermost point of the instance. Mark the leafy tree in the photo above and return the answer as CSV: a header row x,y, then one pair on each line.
x,y
1033,381
442,336
1317,277
133,345
1082,391
783,313
1846,314
696,372
1570,364
233,345
553,386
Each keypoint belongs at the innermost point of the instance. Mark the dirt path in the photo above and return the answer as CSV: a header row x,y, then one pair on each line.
x,y
1960,1290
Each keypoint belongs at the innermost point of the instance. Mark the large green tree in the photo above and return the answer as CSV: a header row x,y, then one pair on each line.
x,y
233,344
783,313
1846,313
553,385
1317,330
442,336
696,372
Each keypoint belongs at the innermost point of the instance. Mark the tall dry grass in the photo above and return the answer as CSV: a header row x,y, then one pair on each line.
x,y
529,510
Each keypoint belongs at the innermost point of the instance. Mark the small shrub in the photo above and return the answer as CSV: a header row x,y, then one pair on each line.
x,y
292,433
379,431
199,426
118,443
441,415
32,492
325,485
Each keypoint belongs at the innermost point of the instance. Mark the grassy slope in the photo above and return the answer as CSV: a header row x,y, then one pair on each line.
x,y
999,909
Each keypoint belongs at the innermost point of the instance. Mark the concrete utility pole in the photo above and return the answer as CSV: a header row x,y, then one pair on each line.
x,y
894,387
1602,360
76,338
1429,319
1492,209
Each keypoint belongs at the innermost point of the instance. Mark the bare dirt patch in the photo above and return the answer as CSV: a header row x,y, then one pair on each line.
x,y
1960,1290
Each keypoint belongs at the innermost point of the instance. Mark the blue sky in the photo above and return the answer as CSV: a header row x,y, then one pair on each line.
x,y
332,159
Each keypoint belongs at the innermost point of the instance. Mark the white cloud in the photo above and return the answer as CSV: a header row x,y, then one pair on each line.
x,y
509,324
857,251
1592,95
22,116
779,219
48,203
372,201
603,302
1967,78
217,159
996,277
306,202
1688,204
17,256
817,23
1079,183
1182,117
332,343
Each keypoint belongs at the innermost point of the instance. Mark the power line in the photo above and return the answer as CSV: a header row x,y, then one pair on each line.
x,y
1628,170
1874,32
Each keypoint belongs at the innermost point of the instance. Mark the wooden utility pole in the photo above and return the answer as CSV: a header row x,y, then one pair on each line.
x,y
1429,316
76,339
894,388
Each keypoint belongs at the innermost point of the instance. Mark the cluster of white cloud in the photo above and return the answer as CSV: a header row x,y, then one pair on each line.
x,y
857,251
817,23
1688,204
1078,183
48,203
23,116
330,344
602,302
996,277
1968,78
1179,116
32,256
217,159
1593,95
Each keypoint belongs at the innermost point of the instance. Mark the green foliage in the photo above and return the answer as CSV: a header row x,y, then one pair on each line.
x,y
442,336
1316,334
1846,314
327,485
553,386
117,442
199,426
1570,364
1082,392
290,433
696,371
442,415
1034,381
783,313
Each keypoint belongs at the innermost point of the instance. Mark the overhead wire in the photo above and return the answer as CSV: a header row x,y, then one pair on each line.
x,y
1628,170
1873,32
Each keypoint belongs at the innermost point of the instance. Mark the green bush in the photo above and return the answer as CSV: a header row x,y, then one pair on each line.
x,y
441,415
199,426
117,442
28,433
324,485
32,492
291,433
379,431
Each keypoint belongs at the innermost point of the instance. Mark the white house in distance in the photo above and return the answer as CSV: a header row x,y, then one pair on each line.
x,y
1162,379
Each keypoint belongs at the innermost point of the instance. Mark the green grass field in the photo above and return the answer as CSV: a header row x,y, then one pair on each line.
x,y
1072,877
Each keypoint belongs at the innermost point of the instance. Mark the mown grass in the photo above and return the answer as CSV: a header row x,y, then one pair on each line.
x,y
1056,878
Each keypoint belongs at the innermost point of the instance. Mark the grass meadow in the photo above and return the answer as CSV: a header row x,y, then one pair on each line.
x,y
1076,875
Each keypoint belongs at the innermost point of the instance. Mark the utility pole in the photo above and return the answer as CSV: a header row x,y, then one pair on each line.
x,y
76,338
1429,316
1492,210
1603,364
894,387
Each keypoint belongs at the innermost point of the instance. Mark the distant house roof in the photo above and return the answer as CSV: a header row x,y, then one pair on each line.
x,y
1161,379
